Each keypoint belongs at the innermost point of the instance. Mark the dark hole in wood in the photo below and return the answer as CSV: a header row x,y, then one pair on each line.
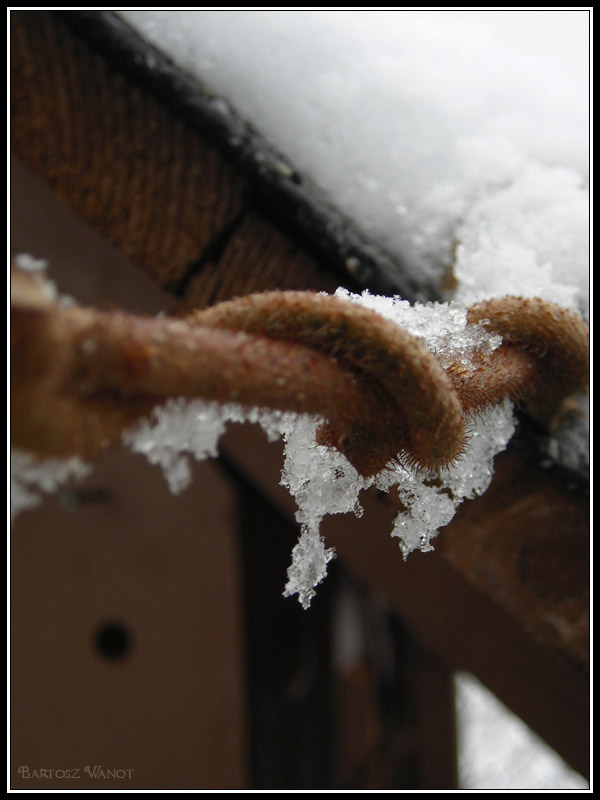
x,y
113,641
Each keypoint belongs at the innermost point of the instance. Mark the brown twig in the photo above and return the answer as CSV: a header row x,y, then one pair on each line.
x,y
80,375
551,342
412,409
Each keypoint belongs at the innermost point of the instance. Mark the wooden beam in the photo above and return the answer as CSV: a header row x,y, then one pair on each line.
x,y
461,623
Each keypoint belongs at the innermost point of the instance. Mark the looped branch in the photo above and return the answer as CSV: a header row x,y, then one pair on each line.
x,y
81,375
552,340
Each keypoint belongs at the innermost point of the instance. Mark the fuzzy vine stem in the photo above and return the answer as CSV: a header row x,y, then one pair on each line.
x,y
79,375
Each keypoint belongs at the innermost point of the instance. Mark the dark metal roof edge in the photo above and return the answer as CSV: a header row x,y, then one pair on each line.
x,y
288,196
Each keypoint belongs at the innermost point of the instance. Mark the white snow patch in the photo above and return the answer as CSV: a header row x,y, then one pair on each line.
x,y
178,429
32,477
498,751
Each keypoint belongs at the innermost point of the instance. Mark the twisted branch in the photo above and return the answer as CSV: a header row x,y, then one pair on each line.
x,y
81,375
553,341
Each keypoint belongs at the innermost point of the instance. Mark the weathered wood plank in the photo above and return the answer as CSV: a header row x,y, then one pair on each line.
x,y
167,710
256,257
112,152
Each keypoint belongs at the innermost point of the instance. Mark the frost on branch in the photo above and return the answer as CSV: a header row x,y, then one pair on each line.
x,y
321,479
309,565
401,382
31,477
177,429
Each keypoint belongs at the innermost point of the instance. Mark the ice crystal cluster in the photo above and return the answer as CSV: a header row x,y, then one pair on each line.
x,y
321,479
32,477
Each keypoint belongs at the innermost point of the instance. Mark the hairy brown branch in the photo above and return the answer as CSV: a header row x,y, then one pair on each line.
x,y
551,342
80,375
413,409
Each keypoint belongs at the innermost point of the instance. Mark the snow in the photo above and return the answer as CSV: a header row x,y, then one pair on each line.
x,y
31,477
434,131
29,263
530,238
320,479
178,428
498,751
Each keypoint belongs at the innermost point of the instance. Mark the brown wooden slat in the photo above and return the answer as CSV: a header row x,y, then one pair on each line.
x,y
112,152
436,723
258,257
526,545
80,261
122,550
